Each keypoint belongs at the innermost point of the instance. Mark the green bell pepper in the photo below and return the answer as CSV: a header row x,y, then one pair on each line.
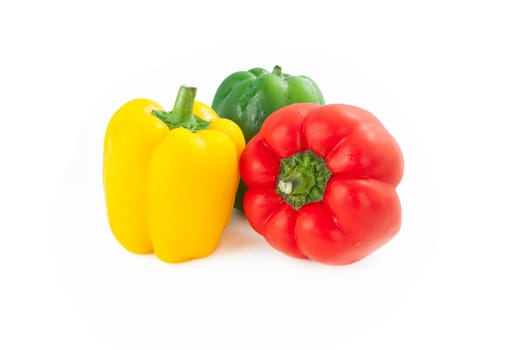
x,y
249,97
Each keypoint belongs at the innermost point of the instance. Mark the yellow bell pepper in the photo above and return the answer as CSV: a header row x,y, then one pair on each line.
x,y
170,178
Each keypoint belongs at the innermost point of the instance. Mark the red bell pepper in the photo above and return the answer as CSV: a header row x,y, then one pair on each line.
x,y
322,182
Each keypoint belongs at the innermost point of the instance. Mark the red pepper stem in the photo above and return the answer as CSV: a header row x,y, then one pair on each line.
x,y
302,179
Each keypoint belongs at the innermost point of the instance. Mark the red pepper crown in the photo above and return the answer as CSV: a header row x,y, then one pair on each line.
x,y
321,182
302,179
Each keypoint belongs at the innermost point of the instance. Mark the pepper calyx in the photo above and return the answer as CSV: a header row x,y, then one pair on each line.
x,y
302,179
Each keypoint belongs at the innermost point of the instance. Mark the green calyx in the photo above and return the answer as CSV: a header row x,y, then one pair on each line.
x,y
302,179
182,114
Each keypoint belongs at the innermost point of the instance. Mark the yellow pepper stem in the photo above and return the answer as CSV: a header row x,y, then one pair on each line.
x,y
182,114
183,107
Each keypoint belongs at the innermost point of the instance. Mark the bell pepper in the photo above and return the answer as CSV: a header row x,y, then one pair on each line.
x,y
322,182
249,97
170,177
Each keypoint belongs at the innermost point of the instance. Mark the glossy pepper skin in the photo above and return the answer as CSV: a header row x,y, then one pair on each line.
x,y
249,97
322,182
170,177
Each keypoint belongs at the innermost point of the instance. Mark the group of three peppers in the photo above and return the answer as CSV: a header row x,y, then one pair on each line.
x,y
318,181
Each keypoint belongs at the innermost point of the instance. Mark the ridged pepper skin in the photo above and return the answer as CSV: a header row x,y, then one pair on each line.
x,y
249,97
170,189
322,182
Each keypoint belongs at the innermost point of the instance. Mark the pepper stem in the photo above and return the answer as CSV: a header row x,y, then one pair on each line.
x,y
277,71
302,179
183,107
182,114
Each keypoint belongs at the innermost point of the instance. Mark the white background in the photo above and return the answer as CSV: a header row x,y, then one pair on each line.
x,y
447,78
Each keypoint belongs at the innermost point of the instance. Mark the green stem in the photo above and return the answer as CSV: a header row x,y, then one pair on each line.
x,y
302,179
182,114
183,107
277,71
